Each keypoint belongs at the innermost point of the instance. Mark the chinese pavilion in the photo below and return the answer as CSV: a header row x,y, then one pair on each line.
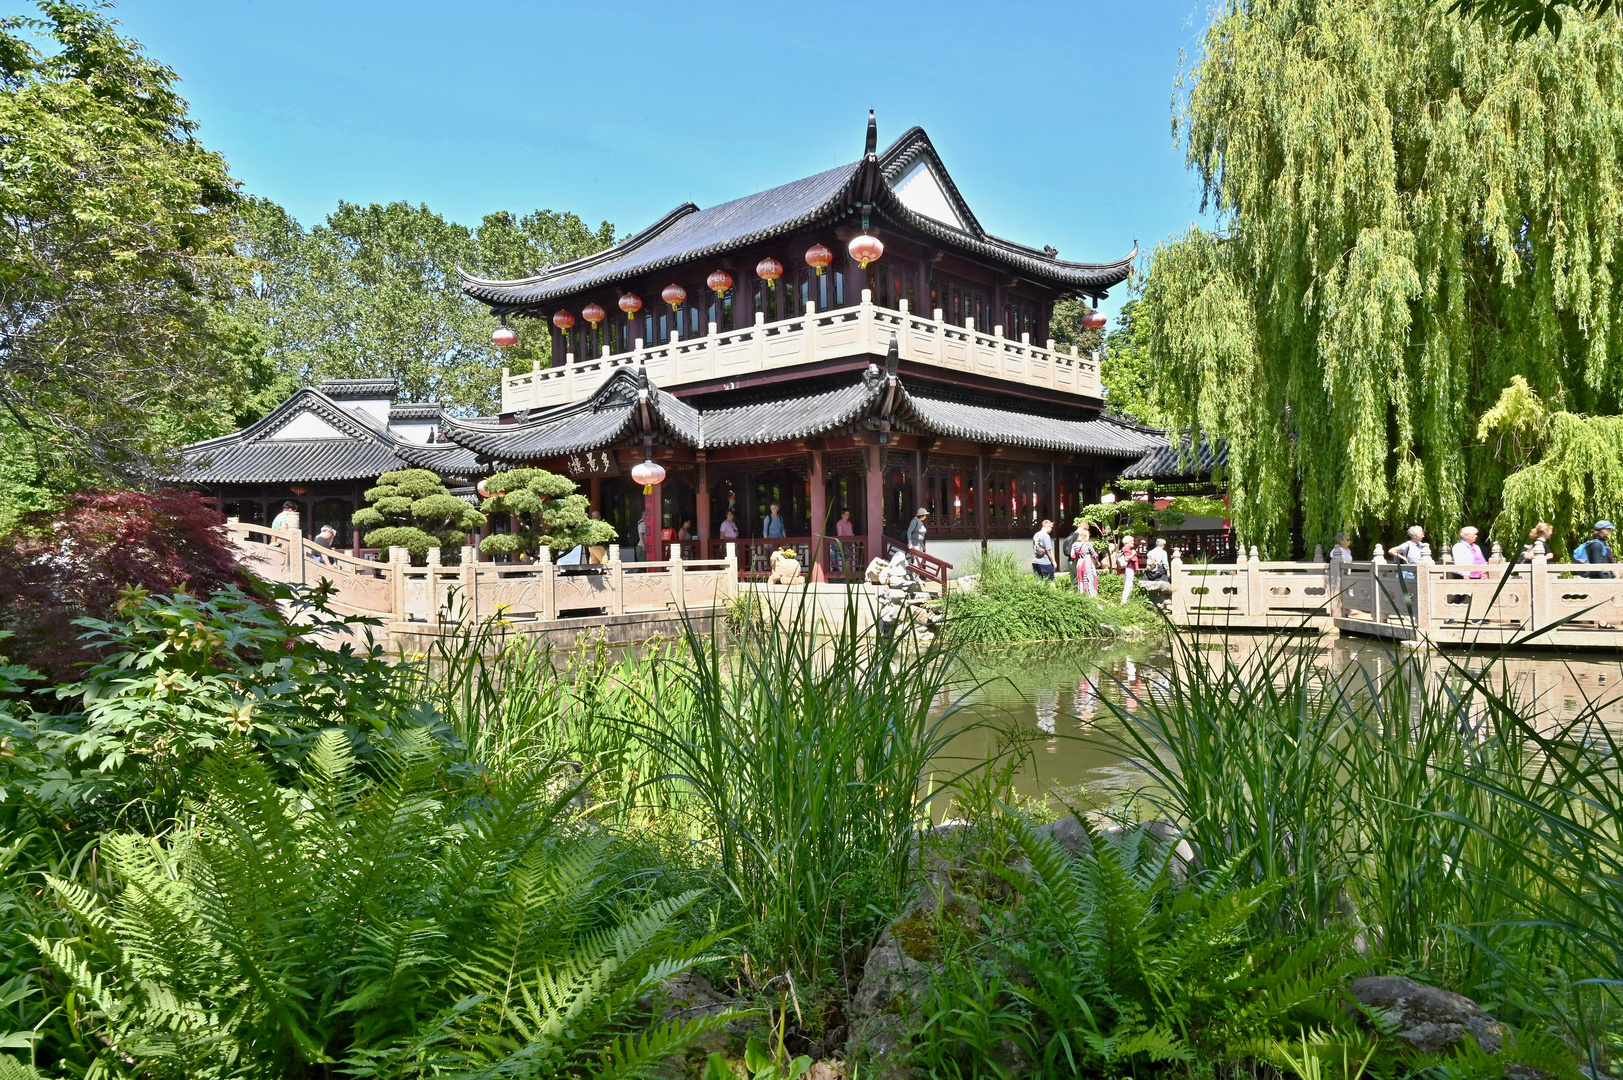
x,y
854,341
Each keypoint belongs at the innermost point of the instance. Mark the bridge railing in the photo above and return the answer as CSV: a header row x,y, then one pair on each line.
x,y
394,590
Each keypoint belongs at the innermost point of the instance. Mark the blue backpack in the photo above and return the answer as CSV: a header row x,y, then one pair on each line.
x,y
1581,552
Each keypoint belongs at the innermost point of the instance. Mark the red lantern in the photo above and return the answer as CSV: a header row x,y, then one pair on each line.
x,y
769,270
719,281
648,473
1094,320
593,314
674,295
631,303
819,256
505,337
865,249
562,319
484,492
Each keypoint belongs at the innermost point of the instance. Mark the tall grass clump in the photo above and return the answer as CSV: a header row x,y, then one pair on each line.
x,y
808,752
1010,603
1460,835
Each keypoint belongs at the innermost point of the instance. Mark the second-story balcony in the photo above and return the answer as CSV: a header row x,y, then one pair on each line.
x,y
862,330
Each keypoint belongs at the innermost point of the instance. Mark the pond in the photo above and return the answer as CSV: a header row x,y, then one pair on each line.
x,y
1054,694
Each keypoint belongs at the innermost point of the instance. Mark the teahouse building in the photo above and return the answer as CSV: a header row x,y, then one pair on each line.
x,y
321,449
852,341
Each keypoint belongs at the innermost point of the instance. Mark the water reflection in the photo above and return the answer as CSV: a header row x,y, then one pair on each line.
x,y
1056,695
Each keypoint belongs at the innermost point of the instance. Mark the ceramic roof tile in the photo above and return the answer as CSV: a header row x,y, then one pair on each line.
x,y
983,423
1166,462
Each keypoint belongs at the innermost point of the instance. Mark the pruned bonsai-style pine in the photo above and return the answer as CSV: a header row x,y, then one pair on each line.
x,y
411,508
545,511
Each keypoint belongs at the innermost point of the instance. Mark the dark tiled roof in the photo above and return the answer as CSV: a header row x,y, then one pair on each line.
x,y
689,233
550,436
1167,462
360,451
783,419
982,423
290,460
427,410
350,389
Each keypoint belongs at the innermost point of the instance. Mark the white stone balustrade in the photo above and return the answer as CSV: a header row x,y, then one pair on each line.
x,y
863,330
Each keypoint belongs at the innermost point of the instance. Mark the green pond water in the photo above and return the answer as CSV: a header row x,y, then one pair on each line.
x,y
1054,695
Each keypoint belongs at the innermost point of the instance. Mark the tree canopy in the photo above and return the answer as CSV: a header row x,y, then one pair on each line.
x,y
117,239
1412,210
543,510
372,291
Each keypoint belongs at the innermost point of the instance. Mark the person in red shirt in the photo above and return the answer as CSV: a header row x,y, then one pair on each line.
x,y
1129,566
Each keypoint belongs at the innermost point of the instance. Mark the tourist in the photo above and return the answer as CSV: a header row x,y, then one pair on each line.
x,y
843,531
642,538
772,524
1129,566
287,519
1597,550
1412,550
729,526
1042,550
1343,549
1158,566
1087,562
916,531
1538,541
685,531
1467,552
326,538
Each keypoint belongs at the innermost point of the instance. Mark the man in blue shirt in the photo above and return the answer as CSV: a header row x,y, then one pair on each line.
x,y
1042,551
772,525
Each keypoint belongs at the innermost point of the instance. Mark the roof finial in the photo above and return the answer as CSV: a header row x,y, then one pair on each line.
x,y
872,145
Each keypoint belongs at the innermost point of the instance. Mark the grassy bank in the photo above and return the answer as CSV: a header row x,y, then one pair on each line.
x,y
1009,603
232,851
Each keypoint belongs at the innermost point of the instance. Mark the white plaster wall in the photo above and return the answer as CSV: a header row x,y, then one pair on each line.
x,y
920,191
307,425
413,432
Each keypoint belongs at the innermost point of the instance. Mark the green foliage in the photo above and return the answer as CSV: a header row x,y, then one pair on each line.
x,y
411,508
1129,376
118,238
1577,478
1120,967
1139,517
806,757
382,923
378,285
1009,603
544,510
1524,18
1412,210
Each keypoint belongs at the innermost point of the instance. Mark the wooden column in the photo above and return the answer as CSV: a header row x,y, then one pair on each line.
x,y
594,492
653,514
819,516
983,501
874,489
701,512
918,485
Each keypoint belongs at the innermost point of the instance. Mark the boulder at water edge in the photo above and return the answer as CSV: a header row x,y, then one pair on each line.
x,y
1430,1019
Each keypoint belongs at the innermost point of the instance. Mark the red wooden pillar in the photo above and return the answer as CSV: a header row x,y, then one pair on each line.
x,y
983,501
819,516
655,519
874,489
701,513
594,491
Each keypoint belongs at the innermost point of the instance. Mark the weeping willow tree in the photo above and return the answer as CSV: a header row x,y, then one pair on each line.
x,y
1569,467
1414,208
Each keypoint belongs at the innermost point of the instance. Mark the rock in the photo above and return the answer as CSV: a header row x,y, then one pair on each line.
x,y
689,996
1430,1019
1070,834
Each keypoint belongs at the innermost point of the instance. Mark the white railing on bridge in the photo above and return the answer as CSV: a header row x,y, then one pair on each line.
x,y
542,591
862,330
1567,604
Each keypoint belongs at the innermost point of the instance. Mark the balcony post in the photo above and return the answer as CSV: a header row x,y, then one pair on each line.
x,y
874,491
809,326
819,516
701,512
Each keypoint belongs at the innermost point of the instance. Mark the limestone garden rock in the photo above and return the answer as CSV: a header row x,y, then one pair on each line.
x,y
1432,1020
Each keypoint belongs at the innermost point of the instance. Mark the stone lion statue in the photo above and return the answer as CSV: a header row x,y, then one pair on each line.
x,y
785,569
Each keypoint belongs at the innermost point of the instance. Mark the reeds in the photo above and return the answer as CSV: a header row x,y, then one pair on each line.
x,y
1466,836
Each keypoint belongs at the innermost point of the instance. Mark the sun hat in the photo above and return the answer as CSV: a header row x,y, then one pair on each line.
x,y
1603,524
921,512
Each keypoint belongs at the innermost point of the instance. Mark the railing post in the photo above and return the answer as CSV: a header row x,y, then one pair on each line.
x,y
1255,604
1423,573
1377,559
1538,593
809,322
677,578
617,581
731,556
295,554
431,562
1335,606
1180,587
470,581
546,580
399,559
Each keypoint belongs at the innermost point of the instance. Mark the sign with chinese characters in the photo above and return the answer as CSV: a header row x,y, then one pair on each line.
x,y
593,463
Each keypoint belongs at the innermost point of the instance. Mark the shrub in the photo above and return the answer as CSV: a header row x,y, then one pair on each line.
x,y
1011,604
411,508
56,567
545,510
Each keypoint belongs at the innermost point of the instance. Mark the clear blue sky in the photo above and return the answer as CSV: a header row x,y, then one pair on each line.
x,y
1054,120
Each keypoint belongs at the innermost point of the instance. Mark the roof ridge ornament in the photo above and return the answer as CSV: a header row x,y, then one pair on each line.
x,y
871,146
893,357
